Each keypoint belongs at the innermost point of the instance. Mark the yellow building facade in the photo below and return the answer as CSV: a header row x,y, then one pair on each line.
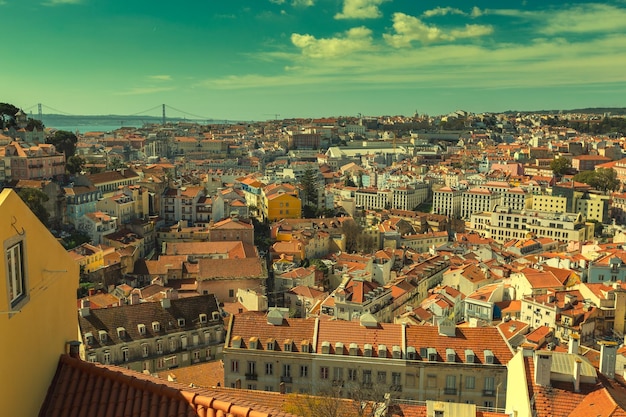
x,y
37,306
281,206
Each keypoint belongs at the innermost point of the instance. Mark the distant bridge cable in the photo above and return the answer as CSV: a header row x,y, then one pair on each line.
x,y
145,111
57,111
188,114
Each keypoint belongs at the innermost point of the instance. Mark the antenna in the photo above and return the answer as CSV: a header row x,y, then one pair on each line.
x,y
272,114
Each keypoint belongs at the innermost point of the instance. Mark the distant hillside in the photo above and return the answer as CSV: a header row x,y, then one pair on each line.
x,y
615,111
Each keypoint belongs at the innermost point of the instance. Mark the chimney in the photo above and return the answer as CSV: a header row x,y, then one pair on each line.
x,y
73,348
166,302
92,291
572,344
84,307
608,352
577,365
134,298
543,366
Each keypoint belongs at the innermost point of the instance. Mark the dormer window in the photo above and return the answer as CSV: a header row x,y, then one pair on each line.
x,y
253,343
411,353
181,322
367,350
489,359
271,344
89,338
432,354
287,345
305,346
325,347
121,332
156,326
102,335
141,328
203,318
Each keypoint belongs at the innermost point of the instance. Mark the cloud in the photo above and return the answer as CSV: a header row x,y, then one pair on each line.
x,y
277,1
442,11
409,29
60,2
135,91
302,3
354,40
160,77
360,9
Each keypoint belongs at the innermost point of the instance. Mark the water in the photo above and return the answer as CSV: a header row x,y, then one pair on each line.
x,y
93,128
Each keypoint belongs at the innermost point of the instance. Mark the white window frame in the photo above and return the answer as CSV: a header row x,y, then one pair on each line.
x,y
16,274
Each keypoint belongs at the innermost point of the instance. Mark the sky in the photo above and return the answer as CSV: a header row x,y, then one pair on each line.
x,y
267,59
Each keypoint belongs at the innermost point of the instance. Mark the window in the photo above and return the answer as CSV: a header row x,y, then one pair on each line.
x,y
15,275
287,370
431,381
450,384
181,322
173,344
304,371
145,350
231,293
234,366
125,355
382,377
106,358
159,346
470,382
489,383
338,374
396,378
367,376
251,367
269,368
352,374
324,372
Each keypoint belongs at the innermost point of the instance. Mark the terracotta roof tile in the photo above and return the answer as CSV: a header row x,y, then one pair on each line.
x,y
83,388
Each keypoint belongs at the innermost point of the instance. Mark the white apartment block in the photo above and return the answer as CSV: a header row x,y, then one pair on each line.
x,y
447,201
502,225
517,199
401,198
478,200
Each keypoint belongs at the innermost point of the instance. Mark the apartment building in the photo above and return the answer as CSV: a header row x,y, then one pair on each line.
x,y
152,336
503,225
33,161
442,363
517,199
181,203
37,306
477,200
447,201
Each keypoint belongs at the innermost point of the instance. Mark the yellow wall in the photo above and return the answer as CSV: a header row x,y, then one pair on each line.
x,y
33,339
274,208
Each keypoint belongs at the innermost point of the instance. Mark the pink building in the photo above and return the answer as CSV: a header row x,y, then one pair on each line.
x,y
35,162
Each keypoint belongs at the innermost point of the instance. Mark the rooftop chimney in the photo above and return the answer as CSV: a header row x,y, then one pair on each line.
x,y
608,352
84,308
543,366
572,344
577,366
73,348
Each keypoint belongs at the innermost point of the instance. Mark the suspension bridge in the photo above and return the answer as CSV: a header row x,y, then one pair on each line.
x,y
160,113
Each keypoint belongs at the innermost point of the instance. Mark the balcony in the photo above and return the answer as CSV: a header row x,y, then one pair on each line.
x,y
251,377
449,391
286,379
489,393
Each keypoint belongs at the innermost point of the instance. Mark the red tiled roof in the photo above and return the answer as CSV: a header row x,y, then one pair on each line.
x,y
82,388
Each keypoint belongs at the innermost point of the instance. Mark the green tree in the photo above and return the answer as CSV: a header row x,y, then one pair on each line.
x,y
560,166
603,179
64,142
308,182
75,164
7,115
34,124
35,200
352,231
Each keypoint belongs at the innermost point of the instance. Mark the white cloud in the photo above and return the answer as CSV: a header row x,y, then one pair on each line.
x,y
588,18
476,12
302,3
355,39
143,90
277,1
409,29
442,11
360,9
160,77
60,2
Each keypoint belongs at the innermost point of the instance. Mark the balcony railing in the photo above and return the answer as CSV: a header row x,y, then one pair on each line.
x,y
251,377
286,379
489,393
449,391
